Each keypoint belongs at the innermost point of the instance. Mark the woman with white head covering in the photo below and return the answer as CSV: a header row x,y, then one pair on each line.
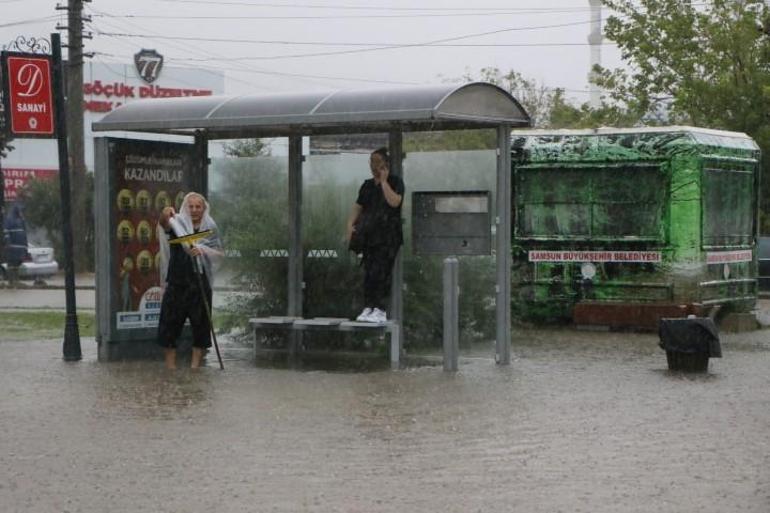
x,y
179,263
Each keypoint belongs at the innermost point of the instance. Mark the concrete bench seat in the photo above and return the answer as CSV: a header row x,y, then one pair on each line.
x,y
289,323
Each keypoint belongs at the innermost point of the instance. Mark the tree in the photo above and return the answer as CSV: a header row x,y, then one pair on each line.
x,y
42,209
4,147
705,64
5,142
537,99
549,107
246,148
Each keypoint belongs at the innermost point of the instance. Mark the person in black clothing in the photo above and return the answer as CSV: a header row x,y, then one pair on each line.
x,y
180,264
376,219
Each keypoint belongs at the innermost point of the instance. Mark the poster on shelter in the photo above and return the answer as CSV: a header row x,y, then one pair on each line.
x,y
148,176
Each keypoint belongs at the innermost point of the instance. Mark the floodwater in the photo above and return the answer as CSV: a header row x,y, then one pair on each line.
x,y
579,422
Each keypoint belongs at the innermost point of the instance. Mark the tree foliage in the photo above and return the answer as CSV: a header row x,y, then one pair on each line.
x,y
246,148
705,64
5,143
42,209
537,99
550,107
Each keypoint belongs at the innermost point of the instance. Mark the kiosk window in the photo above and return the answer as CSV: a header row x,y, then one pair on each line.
x,y
590,203
727,203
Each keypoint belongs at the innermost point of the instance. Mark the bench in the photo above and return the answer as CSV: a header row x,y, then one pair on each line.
x,y
289,323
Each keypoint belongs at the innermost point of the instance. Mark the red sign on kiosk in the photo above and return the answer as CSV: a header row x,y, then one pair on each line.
x,y
28,95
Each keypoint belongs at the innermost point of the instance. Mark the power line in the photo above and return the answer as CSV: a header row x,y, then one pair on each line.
x,y
357,7
30,21
324,77
479,45
343,52
405,9
342,17
213,57
184,48
280,73
327,43
306,77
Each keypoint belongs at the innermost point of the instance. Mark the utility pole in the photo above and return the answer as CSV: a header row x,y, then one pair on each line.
x,y
595,42
75,128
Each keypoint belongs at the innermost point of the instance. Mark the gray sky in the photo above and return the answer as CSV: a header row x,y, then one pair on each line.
x,y
252,40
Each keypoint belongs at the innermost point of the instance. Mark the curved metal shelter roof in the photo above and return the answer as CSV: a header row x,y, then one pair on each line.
x,y
437,107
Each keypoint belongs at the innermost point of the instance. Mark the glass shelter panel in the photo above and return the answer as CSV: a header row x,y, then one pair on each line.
x,y
249,201
332,274
423,295
248,197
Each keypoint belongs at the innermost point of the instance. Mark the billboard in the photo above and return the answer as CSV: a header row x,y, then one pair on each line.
x,y
142,178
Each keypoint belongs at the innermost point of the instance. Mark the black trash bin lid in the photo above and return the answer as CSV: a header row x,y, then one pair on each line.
x,y
693,335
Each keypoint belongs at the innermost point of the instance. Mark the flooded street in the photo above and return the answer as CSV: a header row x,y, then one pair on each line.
x,y
580,422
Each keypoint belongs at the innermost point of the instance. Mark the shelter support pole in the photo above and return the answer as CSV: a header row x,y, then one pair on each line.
x,y
503,258
396,147
202,162
104,264
295,278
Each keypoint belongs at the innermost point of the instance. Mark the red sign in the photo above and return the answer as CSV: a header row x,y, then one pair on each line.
x,y
16,178
726,257
28,94
122,92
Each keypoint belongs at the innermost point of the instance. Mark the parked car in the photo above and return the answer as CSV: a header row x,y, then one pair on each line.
x,y
764,264
38,264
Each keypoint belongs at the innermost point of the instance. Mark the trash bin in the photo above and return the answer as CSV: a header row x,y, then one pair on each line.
x,y
689,343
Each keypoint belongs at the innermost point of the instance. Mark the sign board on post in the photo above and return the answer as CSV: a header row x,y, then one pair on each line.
x,y
28,95
451,223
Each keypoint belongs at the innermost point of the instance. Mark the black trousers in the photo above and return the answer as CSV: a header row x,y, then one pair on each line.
x,y
182,302
378,268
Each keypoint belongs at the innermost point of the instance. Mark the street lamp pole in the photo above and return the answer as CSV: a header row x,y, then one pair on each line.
x,y
71,346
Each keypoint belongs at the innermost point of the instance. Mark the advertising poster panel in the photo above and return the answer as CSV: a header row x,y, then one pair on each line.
x,y
147,176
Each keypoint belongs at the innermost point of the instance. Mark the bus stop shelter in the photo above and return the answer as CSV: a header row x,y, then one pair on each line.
x,y
394,111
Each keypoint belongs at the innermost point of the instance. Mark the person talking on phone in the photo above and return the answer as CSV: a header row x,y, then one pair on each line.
x,y
375,224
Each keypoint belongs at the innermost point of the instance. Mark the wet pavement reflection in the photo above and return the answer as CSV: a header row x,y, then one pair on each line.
x,y
580,421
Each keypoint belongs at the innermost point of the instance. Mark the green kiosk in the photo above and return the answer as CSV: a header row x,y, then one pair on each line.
x,y
620,227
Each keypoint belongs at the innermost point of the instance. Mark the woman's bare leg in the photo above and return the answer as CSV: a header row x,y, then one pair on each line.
x,y
170,358
197,354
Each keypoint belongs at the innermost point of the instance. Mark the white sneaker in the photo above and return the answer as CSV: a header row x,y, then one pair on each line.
x,y
378,316
364,316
